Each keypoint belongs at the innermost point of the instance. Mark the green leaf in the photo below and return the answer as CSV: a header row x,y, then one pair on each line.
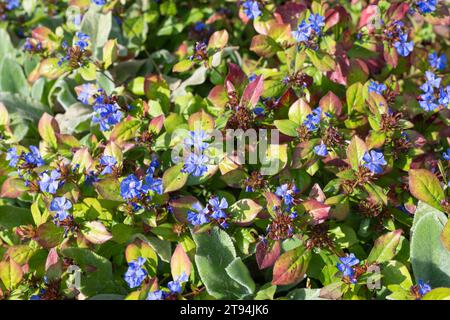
x,y
355,97
10,273
425,186
239,272
304,294
97,274
264,46
12,78
438,294
385,247
173,179
97,26
215,252
287,127
11,217
429,258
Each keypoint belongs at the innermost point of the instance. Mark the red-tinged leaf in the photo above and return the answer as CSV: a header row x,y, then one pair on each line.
x,y
52,259
181,206
252,92
397,11
264,46
368,15
244,211
358,71
355,151
156,124
83,159
218,39
287,99
445,236
426,187
45,36
13,188
218,96
385,247
316,193
318,210
237,77
10,274
267,253
390,56
53,265
124,131
48,128
50,69
201,121
335,15
291,266
272,201
96,232
290,12
48,235
180,262
331,103
339,73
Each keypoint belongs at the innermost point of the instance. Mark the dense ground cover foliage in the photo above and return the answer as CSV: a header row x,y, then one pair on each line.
x,y
268,149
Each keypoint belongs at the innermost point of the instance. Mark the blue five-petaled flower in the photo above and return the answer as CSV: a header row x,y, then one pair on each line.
x,y
135,274
50,182
108,162
346,265
198,215
60,205
374,161
251,9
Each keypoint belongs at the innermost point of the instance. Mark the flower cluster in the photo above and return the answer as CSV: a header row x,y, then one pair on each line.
x,y
214,211
309,32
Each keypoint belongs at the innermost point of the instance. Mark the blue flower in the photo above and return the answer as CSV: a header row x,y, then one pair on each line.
x,y
130,187
403,47
195,164
86,92
429,104
12,156
90,178
176,285
34,157
60,205
313,119
197,140
218,207
444,96
109,162
49,182
321,150
432,80
251,9
107,114
12,4
156,295
374,161
377,87
424,288
446,155
317,22
303,32
199,216
437,62
286,193
82,40
346,265
153,184
258,111
135,273
426,6
99,2
199,26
